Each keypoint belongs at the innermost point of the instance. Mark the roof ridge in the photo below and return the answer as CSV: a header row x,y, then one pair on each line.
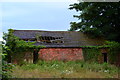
x,y
45,31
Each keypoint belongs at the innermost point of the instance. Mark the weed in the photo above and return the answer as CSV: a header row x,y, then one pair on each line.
x,y
70,69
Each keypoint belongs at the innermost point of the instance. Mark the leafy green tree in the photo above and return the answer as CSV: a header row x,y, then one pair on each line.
x,y
97,19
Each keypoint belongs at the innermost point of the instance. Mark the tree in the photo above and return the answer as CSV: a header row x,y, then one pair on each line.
x,y
97,19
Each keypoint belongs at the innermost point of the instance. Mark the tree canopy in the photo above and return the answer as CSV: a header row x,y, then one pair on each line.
x,y
97,19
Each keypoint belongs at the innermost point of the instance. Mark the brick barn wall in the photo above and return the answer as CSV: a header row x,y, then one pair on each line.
x,y
64,54
19,58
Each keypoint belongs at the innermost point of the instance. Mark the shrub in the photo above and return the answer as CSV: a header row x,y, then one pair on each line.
x,y
6,69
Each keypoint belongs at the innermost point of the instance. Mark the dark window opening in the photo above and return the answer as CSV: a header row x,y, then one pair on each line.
x,y
105,57
35,56
9,58
61,42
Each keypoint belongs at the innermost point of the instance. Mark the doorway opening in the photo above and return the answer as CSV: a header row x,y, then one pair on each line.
x,y
35,56
105,57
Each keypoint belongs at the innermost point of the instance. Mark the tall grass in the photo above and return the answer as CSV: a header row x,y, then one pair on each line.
x,y
70,69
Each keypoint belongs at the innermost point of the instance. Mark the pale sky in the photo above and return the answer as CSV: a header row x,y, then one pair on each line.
x,y
50,15
74,1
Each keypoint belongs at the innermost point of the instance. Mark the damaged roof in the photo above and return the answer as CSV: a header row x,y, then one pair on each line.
x,y
69,38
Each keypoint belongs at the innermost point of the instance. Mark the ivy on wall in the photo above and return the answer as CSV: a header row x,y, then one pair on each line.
x,y
114,51
14,45
91,54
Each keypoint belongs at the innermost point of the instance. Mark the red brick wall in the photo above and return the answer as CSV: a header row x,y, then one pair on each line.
x,y
65,54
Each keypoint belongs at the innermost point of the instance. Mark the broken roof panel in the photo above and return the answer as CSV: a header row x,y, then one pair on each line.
x,y
70,38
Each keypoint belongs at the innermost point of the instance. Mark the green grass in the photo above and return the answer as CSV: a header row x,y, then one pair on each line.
x,y
59,69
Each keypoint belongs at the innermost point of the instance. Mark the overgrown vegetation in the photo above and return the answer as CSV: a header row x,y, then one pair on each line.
x,y
70,69
92,53
99,20
55,69
11,46
5,67
114,52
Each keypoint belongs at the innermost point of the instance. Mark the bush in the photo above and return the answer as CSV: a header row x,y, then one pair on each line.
x,y
6,69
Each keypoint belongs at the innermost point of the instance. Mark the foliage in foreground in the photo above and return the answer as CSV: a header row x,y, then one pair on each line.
x,y
7,69
67,69
4,65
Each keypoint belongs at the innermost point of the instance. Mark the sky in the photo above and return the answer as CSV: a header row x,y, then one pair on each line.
x,y
50,15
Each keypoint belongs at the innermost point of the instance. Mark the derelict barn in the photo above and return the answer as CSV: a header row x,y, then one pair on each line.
x,y
59,45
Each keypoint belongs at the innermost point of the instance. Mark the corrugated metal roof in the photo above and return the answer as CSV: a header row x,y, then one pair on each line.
x,y
70,38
